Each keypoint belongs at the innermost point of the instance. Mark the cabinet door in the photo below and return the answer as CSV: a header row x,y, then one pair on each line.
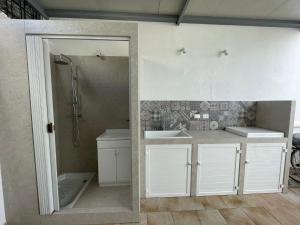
x,y
107,166
168,170
218,169
264,167
123,165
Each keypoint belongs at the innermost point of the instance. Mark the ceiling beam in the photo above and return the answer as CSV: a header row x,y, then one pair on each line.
x,y
181,14
172,18
38,8
112,15
241,21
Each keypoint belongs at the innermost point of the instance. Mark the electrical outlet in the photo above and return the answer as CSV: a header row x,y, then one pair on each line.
x,y
205,116
197,116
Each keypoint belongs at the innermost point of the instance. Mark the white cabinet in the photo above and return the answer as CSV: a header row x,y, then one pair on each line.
x,y
123,158
114,162
264,167
168,170
107,166
218,169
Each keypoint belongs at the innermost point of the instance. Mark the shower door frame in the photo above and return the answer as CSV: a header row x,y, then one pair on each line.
x,y
40,81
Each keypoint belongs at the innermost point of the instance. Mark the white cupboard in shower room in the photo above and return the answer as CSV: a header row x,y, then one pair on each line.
x,y
114,157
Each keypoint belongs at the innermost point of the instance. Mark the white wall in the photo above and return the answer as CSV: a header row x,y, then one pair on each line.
x,y
263,63
2,213
89,47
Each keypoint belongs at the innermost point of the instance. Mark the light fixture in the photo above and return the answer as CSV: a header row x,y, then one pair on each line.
x,y
223,52
181,51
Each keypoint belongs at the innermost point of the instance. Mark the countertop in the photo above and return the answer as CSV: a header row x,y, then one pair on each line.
x,y
213,136
114,134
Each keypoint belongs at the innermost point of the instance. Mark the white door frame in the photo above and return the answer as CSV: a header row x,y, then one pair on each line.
x,y
42,113
38,101
50,112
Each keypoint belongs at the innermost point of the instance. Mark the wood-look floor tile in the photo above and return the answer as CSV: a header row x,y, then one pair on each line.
x,y
295,190
259,209
236,217
143,220
149,205
170,204
260,216
211,217
186,218
160,218
160,204
189,203
179,204
212,202
276,201
234,201
254,200
292,197
285,216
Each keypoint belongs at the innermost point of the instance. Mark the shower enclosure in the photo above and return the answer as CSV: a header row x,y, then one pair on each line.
x,y
72,185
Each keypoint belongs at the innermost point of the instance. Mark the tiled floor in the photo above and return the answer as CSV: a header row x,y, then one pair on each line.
x,y
106,198
259,209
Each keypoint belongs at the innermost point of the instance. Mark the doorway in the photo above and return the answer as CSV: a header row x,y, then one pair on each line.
x,y
83,85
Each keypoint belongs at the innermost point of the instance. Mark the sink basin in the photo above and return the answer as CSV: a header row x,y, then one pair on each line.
x,y
166,134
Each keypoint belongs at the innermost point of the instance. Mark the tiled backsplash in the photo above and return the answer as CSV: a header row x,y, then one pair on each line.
x,y
172,115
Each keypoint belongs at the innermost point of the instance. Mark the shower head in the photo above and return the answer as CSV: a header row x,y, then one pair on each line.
x,y
100,55
62,60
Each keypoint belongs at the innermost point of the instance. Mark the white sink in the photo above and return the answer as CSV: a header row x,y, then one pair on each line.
x,y
166,134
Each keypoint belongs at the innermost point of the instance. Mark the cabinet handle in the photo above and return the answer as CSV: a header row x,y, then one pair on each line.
x,y
188,164
246,162
198,163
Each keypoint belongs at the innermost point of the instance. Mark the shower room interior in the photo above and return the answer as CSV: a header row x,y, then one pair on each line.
x,y
90,92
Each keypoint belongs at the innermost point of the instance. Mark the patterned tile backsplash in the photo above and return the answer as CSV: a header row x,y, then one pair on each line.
x,y
172,115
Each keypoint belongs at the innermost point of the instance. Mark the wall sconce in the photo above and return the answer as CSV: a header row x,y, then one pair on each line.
x,y
181,51
223,52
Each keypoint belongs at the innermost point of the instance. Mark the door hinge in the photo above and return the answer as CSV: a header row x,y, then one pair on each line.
x,y
238,150
284,149
50,127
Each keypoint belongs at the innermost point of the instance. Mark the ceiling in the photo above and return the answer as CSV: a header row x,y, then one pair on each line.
x,y
262,9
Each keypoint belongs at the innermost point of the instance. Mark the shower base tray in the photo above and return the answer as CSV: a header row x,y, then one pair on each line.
x,y
71,186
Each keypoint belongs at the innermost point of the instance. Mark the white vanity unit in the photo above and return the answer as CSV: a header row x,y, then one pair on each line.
x,y
219,165
218,169
114,157
264,167
168,170
213,163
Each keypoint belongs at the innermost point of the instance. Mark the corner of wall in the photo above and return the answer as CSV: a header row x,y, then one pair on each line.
x,y
2,212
